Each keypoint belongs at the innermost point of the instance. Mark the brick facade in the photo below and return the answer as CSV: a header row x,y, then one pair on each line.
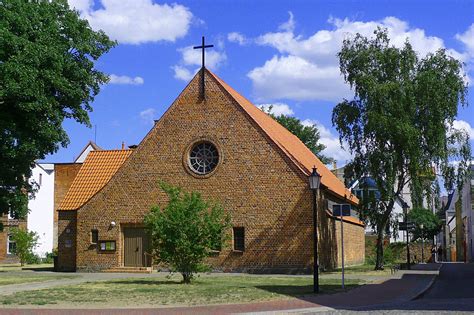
x,y
64,174
6,258
255,182
67,241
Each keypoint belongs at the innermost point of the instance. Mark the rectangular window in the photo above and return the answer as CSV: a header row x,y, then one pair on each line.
x,y
239,238
41,179
346,210
11,245
107,245
68,243
94,236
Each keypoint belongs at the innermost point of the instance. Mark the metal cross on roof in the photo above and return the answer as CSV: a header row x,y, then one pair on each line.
x,y
203,48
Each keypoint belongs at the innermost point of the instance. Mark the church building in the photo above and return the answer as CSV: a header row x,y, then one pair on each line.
x,y
214,141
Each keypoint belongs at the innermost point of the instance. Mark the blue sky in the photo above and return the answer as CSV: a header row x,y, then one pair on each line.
x,y
272,52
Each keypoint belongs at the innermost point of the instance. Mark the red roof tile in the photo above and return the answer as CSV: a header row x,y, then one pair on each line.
x,y
97,170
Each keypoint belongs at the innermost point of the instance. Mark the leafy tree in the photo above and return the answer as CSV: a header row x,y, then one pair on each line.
x,y
399,125
309,135
25,242
47,74
430,221
186,231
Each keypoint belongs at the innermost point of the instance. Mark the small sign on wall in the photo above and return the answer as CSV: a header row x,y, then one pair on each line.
x,y
107,246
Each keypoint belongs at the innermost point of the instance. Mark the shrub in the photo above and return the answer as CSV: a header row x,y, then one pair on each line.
x,y
25,243
186,231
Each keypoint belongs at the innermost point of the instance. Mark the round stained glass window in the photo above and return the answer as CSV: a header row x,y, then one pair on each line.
x,y
203,158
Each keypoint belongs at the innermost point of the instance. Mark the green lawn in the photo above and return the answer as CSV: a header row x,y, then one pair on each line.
x,y
363,270
18,267
206,289
18,278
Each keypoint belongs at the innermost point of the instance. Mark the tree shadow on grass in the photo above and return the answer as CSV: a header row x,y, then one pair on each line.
x,y
305,290
145,282
38,269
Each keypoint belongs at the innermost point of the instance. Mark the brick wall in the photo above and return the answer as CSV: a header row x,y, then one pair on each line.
x,y
7,225
64,174
3,239
67,225
354,243
254,182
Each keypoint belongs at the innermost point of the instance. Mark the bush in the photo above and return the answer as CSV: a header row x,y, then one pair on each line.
x,y
33,259
186,231
391,254
49,259
25,243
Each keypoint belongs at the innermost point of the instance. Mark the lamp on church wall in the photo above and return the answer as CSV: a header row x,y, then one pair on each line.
x,y
314,183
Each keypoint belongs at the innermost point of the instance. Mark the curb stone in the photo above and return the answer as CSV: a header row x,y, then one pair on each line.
x,y
427,288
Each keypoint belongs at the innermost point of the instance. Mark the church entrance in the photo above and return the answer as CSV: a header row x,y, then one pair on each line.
x,y
136,247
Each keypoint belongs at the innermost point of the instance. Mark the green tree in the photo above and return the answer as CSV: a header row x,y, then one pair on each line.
x,y
430,221
309,135
25,243
186,231
399,125
47,74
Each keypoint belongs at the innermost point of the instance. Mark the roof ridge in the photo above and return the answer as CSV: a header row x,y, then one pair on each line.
x,y
290,144
111,150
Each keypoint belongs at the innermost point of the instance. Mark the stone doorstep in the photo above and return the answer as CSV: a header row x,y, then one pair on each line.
x,y
128,270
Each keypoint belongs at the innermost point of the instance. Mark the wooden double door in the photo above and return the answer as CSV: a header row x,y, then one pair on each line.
x,y
136,247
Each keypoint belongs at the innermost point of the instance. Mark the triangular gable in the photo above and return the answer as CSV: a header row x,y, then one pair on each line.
x,y
90,146
291,145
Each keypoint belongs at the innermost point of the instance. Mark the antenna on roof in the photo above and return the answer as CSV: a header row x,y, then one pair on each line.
x,y
123,145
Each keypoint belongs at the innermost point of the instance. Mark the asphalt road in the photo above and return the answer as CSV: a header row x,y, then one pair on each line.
x,y
451,293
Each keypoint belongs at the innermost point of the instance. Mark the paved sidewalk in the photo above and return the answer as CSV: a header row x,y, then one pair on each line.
x,y
404,286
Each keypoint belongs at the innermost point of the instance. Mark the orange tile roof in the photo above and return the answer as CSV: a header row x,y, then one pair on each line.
x,y
97,170
290,144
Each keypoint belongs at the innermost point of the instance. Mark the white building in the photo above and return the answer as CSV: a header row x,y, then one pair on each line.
x,y
41,207
40,217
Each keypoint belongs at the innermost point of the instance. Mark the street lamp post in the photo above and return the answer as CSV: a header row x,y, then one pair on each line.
x,y
314,182
422,245
405,211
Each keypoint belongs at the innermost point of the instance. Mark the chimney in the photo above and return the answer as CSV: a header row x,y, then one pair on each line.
x,y
334,165
123,145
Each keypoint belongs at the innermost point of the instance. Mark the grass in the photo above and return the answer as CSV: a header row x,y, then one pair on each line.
x,y
18,267
206,289
18,278
363,270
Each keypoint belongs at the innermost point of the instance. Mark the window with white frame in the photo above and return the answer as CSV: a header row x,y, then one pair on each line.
x,y
11,245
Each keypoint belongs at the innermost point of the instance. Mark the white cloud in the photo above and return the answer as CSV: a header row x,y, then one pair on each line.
x,y
81,5
182,73
148,115
307,68
464,125
236,37
191,61
137,21
289,25
293,77
277,109
123,79
331,141
467,38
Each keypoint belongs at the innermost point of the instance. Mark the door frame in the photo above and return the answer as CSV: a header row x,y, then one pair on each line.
x,y
124,226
